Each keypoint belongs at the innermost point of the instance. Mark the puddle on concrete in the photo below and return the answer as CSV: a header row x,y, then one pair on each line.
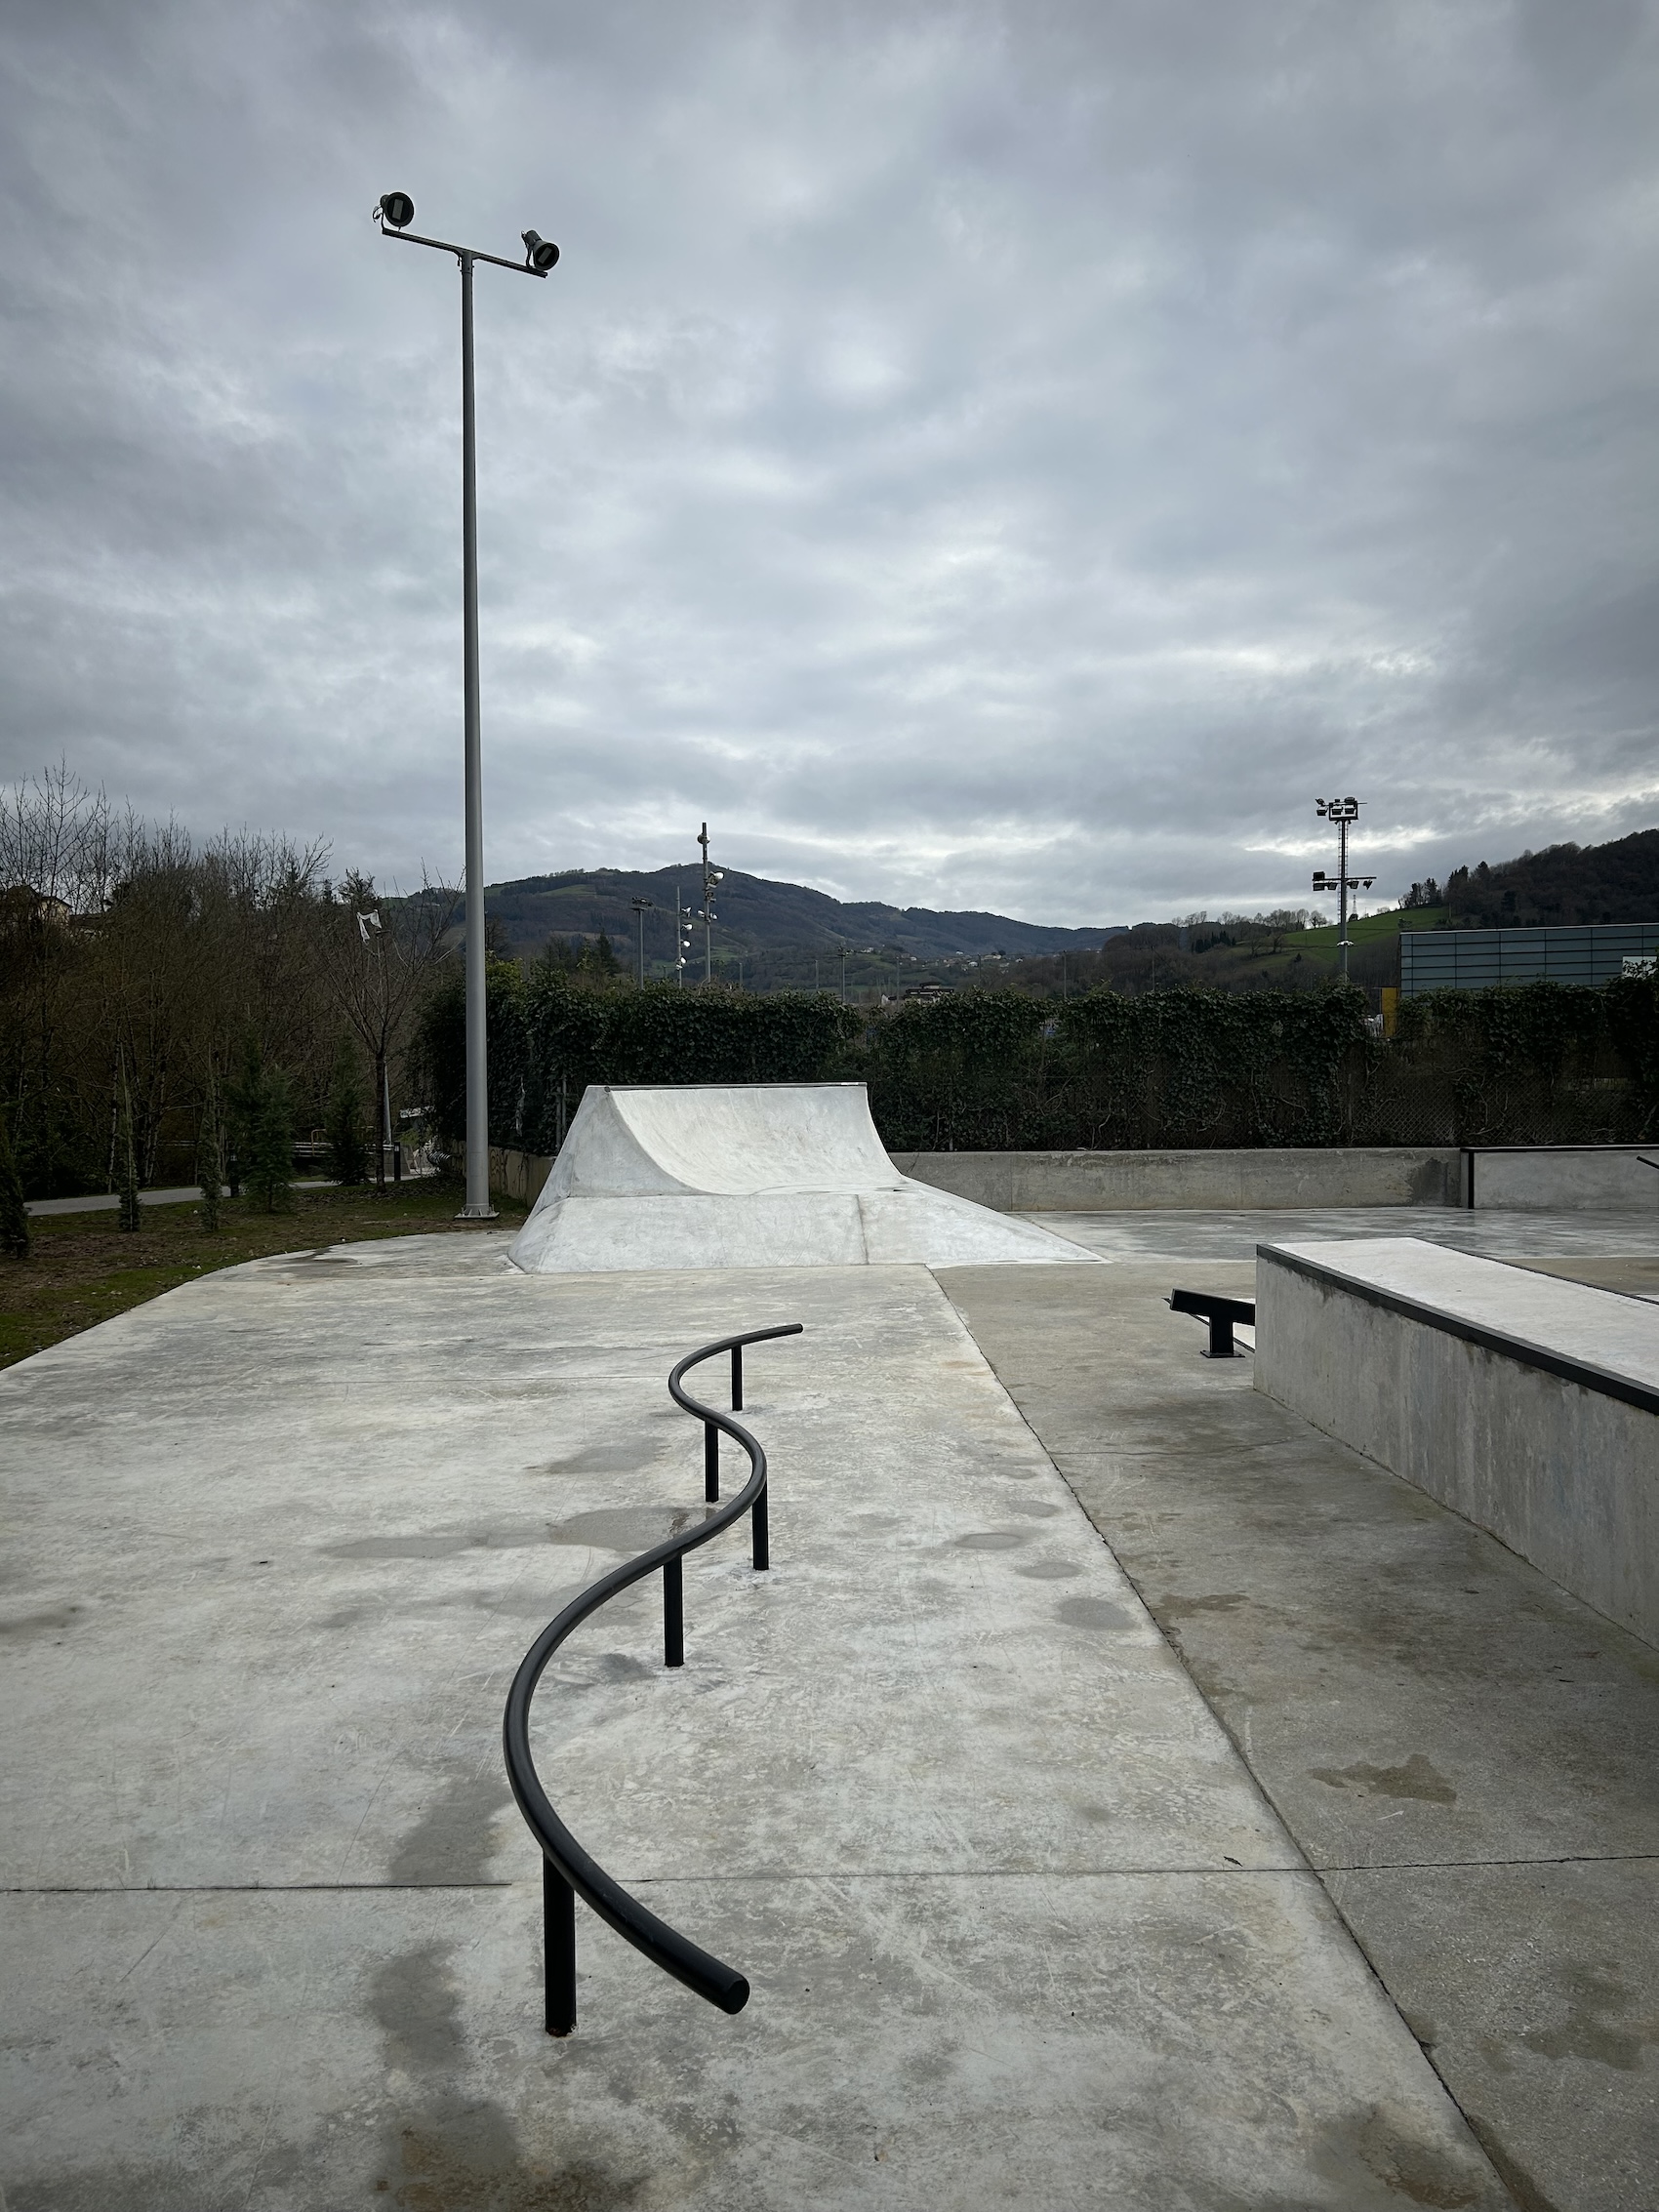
x,y
1094,1613
1417,1778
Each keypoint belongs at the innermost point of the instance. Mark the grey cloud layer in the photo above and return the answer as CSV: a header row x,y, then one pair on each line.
x,y
974,456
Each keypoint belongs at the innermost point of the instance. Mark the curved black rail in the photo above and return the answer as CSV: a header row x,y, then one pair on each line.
x,y
567,1871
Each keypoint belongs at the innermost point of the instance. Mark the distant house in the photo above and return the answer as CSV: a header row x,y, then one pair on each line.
x,y
22,904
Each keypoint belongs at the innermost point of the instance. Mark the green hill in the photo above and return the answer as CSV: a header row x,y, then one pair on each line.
x,y
777,930
1616,882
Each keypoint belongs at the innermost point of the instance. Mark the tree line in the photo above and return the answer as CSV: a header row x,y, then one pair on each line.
x,y
172,1009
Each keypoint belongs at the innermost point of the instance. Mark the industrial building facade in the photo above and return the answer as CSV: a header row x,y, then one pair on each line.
x,y
1475,959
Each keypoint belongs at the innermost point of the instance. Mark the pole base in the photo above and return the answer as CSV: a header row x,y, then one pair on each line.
x,y
477,1213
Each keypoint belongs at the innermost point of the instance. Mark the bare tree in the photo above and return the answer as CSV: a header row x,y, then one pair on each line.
x,y
378,956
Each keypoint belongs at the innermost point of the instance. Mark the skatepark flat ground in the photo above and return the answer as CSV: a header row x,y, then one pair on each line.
x,y
1042,1896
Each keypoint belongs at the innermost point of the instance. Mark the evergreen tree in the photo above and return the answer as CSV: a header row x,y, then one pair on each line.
x,y
14,1214
344,1127
130,1214
269,1168
207,1158
244,1096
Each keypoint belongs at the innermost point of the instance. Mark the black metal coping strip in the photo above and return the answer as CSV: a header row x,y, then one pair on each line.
x,y
1583,1372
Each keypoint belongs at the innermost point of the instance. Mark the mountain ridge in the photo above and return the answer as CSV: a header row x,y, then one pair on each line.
x,y
758,915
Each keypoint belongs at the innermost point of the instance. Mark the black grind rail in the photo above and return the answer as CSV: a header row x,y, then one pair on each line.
x,y
567,1871
1220,1312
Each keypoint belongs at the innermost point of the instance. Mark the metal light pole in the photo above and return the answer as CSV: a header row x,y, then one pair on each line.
x,y
641,908
394,214
1342,811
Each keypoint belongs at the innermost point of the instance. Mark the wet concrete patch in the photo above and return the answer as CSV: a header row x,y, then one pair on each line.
x,y
1416,1777
1094,1613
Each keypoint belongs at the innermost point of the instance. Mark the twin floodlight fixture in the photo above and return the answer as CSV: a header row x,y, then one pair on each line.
x,y
396,212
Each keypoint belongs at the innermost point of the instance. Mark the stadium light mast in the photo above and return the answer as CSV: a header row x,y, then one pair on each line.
x,y
706,914
682,939
394,214
1342,811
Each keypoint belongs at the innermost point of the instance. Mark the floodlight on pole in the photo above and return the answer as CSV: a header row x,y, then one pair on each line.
x,y
394,214
1343,812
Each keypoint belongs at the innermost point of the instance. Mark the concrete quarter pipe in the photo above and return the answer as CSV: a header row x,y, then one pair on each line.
x,y
763,1175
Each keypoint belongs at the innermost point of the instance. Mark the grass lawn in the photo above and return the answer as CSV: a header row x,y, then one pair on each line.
x,y
83,1269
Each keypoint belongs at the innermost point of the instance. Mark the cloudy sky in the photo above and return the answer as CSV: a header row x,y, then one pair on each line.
x,y
1010,455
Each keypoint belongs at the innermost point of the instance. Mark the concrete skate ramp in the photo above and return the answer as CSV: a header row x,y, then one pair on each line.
x,y
763,1175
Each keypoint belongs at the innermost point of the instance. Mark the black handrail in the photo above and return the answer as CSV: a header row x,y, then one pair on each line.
x,y
567,1871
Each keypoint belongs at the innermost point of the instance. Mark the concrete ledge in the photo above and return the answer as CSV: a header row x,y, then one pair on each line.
x,y
1109,1182
1527,1405
1563,1179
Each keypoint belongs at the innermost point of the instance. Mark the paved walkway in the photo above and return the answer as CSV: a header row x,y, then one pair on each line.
x,y
107,1201
1022,1928
1468,1756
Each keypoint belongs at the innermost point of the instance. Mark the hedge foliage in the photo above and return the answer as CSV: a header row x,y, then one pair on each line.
x,y
995,1071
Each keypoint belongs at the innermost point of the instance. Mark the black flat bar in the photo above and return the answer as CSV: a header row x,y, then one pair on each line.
x,y
443,246
1212,1306
711,1978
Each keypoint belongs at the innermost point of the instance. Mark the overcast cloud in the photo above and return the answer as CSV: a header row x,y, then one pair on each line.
x,y
998,456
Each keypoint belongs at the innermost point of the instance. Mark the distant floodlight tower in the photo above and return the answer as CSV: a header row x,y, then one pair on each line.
x,y
682,939
641,908
394,214
1342,811
706,914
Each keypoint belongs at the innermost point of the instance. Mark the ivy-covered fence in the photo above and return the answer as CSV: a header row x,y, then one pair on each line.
x,y
994,1071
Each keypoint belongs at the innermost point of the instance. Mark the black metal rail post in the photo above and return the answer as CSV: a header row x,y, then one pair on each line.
x,y
711,1463
736,1378
673,1613
761,1534
558,1932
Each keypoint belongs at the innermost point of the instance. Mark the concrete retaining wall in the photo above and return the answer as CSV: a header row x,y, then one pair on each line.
x,y
1526,1404
1566,1179
519,1174
1020,1182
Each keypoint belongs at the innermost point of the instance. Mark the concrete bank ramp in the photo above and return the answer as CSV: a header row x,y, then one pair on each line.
x,y
761,1175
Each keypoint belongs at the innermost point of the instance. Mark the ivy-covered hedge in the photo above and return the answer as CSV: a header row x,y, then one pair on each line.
x,y
995,1071
550,1038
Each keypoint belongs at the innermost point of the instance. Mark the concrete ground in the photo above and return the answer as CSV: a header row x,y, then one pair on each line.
x,y
1468,1756
1023,1926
